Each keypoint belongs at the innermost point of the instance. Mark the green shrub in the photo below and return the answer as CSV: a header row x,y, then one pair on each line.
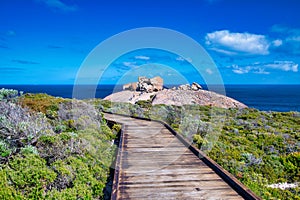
x,y
29,149
4,149
147,104
61,149
65,136
7,94
103,104
198,140
259,148
116,128
48,139
291,164
41,103
30,175
7,191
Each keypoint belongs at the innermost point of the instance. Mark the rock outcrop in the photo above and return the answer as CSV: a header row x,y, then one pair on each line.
x,y
199,97
151,89
130,86
194,86
145,84
178,98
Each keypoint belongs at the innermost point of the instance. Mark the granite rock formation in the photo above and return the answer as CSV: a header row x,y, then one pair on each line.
x,y
194,86
152,90
145,84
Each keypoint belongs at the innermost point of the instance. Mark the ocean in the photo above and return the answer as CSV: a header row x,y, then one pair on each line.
x,y
281,98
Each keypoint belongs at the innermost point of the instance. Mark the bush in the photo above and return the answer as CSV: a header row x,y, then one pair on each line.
x,y
59,149
4,149
79,115
7,190
199,141
41,103
30,175
18,128
259,148
291,163
8,94
29,149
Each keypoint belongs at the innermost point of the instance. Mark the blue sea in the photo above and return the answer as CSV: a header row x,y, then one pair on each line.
x,y
281,98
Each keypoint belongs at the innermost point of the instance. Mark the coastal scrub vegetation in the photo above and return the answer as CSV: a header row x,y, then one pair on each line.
x,y
53,148
259,148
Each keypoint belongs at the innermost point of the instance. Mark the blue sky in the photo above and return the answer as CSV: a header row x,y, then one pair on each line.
x,y
251,42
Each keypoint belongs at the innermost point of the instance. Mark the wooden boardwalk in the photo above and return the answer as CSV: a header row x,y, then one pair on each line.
x,y
153,163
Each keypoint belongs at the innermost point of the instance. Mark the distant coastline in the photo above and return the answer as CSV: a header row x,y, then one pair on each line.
x,y
281,98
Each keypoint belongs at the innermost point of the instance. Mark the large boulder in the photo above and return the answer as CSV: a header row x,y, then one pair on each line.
x,y
195,86
157,83
130,86
184,87
145,84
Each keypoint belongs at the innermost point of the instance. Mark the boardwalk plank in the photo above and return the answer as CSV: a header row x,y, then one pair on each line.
x,y
154,164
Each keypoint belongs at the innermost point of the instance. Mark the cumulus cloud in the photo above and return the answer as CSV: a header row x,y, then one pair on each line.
x,y
142,57
264,68
237,43
59,5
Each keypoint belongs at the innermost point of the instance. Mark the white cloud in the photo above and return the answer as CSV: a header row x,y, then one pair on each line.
x,y
130,64
238,43
290,39
263,68
142,57
179,58
240,70
209,71
59,5
283,65
277,43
